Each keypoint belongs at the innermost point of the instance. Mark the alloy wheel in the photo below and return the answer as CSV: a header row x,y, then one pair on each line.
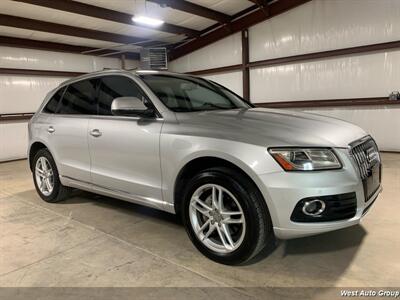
x,y
217,218
44,176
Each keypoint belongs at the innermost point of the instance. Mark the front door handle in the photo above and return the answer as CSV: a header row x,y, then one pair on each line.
x,y
95,133
50,129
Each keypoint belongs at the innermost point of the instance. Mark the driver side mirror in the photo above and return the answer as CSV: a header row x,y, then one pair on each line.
x,y
130,106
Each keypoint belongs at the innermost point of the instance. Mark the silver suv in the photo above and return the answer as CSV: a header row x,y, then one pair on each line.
x,y
237,175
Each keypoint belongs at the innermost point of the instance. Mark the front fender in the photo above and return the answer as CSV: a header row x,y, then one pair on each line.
x,y
178,150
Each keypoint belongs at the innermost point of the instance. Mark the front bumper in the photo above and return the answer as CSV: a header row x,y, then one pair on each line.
x,y
283,190
317,228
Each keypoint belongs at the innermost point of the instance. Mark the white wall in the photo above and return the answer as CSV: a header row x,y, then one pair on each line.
x,y
131,64
20,58
13,140
23,94
381,122
361,76
225,52
232,80
320,25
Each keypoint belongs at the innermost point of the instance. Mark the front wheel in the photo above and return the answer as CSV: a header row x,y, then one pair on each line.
x,y
225,216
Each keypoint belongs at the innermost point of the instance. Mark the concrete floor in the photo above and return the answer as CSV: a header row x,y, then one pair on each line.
x,y
92,240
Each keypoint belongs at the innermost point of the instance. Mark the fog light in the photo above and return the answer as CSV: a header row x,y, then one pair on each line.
x,y
314,207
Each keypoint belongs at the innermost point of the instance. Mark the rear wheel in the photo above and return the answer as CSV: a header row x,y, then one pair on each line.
x,y
46,178
225,216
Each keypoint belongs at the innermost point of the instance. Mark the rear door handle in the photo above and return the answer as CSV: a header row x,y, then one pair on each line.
x,y
95,133
50,129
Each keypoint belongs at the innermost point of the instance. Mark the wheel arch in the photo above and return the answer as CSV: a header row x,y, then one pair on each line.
x,y
33,149
200,163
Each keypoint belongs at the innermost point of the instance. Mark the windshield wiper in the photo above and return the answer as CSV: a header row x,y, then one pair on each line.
x,y
201,108
214,106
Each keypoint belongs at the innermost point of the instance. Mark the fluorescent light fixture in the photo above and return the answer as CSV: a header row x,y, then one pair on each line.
x,y
146,71
147,21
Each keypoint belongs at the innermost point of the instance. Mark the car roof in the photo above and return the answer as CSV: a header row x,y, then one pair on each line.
x,y
116,72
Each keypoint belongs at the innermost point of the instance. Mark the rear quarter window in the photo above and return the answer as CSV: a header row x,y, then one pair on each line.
x,y
51,106
79,98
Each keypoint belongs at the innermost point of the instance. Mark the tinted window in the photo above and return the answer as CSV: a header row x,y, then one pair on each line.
x,y
79,98
186,93
112,87
52,105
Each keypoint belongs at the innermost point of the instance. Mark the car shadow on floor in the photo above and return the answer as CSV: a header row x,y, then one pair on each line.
x,y
328,242
78,196
346,240
341,245
333,241
321,259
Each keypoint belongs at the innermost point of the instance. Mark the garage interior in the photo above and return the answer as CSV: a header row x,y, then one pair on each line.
x,y
336,58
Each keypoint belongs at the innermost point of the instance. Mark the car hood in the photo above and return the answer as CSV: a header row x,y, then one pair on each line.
x,y
270,127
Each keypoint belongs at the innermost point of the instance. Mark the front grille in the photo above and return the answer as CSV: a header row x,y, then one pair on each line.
x,y
368,207
366,154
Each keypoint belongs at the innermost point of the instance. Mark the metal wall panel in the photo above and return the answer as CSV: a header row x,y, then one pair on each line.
x,y
56,61
231,80
319,25
382,123
131,64
13,140
225,52
23,94
322,25
368,75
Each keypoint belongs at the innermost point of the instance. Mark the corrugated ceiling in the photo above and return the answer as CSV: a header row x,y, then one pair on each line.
x,y
169,15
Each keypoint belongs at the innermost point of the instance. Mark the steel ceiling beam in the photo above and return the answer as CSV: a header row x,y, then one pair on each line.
x,y
58,47
10,71
260,2
106,14
194,9
245,62
43,26
274,9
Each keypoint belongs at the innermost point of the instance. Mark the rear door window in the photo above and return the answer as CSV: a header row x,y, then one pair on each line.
x,y
79,98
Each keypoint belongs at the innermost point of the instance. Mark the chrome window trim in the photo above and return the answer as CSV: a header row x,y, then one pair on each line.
x,y
80,116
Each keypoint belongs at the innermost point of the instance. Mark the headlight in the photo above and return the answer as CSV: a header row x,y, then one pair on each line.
x,y
305,159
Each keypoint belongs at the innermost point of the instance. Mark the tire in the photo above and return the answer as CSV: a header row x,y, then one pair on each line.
x,y
58,191
241,198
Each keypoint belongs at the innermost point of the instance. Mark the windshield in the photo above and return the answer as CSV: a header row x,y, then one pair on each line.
x,y
186,93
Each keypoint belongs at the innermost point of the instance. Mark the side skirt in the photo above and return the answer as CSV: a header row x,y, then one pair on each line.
x,y
90,187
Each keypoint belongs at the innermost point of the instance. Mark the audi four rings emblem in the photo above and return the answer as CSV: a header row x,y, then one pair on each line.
x,y
372,156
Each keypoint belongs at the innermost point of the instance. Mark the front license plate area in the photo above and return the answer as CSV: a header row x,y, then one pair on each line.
x,y
372,182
